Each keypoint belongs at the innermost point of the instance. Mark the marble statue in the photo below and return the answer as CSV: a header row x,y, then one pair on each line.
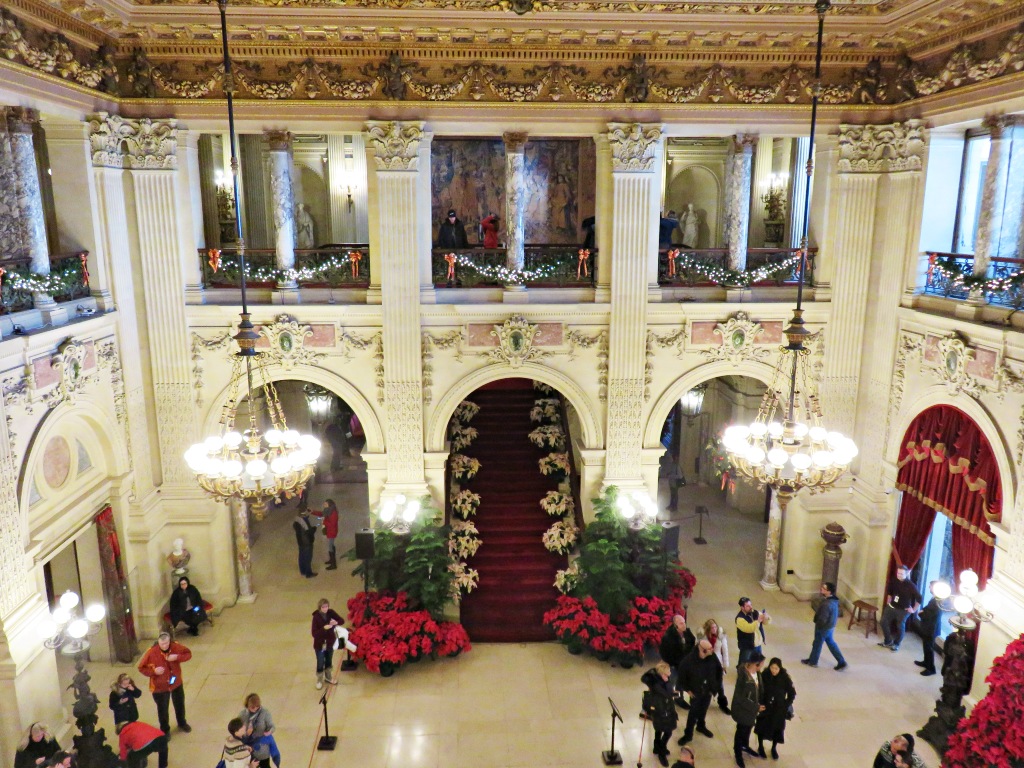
x,y
689,227
303,227
179,557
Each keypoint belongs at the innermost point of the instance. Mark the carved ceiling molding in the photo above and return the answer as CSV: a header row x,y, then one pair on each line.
x,y
143,144
497,73
882,148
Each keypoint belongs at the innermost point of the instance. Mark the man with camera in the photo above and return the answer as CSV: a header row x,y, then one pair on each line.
x,y
162,665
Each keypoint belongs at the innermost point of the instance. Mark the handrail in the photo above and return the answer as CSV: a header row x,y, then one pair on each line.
x,y
71,264
938,282
575,483
326,266
718,259
480,267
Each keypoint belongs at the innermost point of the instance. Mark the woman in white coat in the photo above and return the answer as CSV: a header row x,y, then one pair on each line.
x,y
720,643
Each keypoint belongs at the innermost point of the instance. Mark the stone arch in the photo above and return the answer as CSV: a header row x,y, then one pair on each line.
x,y
939,395
652,433
437,425
322,377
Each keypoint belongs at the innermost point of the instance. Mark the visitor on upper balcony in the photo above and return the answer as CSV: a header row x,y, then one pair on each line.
x,y
666,226
452,233
490,228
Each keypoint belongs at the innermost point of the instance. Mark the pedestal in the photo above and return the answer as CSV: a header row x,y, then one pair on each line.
x,y
835,536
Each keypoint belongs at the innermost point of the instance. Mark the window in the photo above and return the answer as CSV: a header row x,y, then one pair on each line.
x,y
937,563
972,180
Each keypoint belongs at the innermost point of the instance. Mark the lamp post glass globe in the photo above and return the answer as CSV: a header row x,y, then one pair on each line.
x,y
941,590
69,601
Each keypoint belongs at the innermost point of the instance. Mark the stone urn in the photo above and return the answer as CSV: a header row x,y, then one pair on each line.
x,y
834,535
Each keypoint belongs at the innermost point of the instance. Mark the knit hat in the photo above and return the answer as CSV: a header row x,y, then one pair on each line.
x,y
451,213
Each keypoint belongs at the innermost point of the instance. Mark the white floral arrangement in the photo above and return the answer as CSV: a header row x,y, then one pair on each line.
x,y
559,504
554,464
463,467
543,388
462,436
561,537
546,409
567,580
464,539
465,581
548,436
465,503
465,411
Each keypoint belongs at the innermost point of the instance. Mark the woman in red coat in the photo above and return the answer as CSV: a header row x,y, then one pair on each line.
x,y
329,516
490,228
324,638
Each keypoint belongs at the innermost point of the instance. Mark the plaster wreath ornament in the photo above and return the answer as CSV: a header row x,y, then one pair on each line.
x,y
561,537
546,409
548,436
465,411
556,503
462,436
463,467
465,503
464,540
555,465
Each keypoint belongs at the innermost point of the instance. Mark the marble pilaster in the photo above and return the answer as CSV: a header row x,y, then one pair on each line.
x,y
636,153
515,203
1002,201
761,177
243,553
603,212
282,201
738,200
401,161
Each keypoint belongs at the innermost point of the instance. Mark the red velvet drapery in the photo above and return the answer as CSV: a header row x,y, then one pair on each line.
x,y
121,622
946,465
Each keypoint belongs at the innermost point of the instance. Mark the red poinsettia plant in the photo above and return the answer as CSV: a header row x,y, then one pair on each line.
x,y
993,736
388,633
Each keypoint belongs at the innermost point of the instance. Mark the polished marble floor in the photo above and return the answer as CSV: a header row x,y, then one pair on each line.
x,y
519,705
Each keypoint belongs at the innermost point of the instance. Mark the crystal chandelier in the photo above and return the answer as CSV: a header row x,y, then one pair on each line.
x,y
787,447
250,465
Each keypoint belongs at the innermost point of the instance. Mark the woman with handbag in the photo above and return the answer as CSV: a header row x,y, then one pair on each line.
x,y
259,730
237,754
659,707
778,699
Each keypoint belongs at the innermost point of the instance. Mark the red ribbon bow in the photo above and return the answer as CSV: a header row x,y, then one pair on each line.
x,y
354,257
931,264
214,259
672,256
581,263
450,259
85,267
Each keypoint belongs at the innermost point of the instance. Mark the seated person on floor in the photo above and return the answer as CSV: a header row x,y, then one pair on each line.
x,y
187,606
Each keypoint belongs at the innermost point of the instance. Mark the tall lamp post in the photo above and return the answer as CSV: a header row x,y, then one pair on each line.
x,y
68,628
972,608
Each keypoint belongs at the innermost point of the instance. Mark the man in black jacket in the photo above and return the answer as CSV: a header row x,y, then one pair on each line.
x,y
305,533
676,644
452,233
929,616
701,674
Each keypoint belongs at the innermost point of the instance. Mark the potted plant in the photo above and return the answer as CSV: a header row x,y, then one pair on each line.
x,y
461,435
555,465
465,411
463,467
464,503
561,537
559,504
546,410
548,436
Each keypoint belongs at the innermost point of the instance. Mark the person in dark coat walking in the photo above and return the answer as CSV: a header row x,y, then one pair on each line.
x,y
700,673
825,619
452,233
186,605
746,704
777,699
661,714
676,644
929,616
305,533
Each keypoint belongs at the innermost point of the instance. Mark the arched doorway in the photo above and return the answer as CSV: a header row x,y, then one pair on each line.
x,y
516,569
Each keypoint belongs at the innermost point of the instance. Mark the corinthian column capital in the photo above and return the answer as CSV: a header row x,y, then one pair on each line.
x,y
395,144
633,145
143,144
882,148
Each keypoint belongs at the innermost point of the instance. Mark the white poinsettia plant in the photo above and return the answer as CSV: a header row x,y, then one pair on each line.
x,y
558,503
543,388
546,409
548,436
463,467
568,579
465,503
464,539
465,581
561,537
465,411
554,464
462,436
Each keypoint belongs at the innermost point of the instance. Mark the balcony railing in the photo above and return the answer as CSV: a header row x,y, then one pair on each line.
x,y
546,266
941,278
709,266
69,277
341,265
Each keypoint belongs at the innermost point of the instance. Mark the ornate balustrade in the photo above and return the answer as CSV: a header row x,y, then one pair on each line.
x,y
709,266
545,266
1004,281
68,280
340,265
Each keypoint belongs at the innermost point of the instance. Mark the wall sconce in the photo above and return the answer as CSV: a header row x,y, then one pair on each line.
x,y
692,402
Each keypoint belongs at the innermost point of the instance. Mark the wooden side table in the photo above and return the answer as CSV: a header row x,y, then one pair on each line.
x,y
864,613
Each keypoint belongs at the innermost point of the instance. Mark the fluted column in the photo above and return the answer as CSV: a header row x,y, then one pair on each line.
x,y
761,180
738,200
515,204
636,152
798,175
401,161
282,205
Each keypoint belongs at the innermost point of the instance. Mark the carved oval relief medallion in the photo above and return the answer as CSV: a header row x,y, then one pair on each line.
x,y
56,462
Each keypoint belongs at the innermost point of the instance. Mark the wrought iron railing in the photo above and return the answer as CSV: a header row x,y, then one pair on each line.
x,y
74,271
551,266
717,259
68,270
341,265
938,282
941,278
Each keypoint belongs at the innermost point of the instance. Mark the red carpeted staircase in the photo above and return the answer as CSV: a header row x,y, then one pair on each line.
x,y
517,573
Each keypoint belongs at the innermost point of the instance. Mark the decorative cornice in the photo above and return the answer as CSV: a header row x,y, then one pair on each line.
x,y
142,144
396,145
882,148
633,145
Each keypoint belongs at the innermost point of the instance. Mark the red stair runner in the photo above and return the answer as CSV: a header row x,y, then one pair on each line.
x,y
517,573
